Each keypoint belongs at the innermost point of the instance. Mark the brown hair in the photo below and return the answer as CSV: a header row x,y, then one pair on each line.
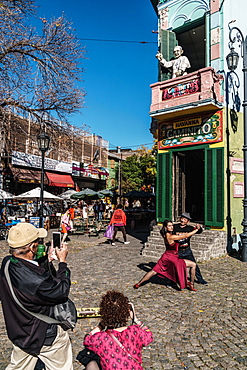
x,y
114,310
163,230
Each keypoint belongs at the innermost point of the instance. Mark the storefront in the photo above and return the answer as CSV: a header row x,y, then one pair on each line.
x,y
25,174
191,169
90,176
59,180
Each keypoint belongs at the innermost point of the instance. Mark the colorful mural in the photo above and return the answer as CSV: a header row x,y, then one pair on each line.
x,y
191,131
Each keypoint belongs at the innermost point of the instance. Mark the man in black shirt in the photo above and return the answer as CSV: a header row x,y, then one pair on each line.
x,y
184,249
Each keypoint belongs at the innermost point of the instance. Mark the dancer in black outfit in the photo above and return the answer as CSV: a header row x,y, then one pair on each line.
x,y
184,249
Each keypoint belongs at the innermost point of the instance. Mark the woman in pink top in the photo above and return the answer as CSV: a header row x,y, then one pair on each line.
x,y
119,346
65,224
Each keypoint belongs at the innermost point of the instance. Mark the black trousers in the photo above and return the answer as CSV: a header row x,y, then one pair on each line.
x,y
188,255
119,228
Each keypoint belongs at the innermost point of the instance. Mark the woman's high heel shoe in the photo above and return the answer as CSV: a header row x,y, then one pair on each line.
x,y
136,286
191,286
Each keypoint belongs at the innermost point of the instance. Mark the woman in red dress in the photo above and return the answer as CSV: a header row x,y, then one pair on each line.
x,y
170,265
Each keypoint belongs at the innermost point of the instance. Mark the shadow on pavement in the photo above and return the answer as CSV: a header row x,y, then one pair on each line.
x,y
156,279
141,233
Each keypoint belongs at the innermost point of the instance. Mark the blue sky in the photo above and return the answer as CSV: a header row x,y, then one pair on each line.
x,y
117,74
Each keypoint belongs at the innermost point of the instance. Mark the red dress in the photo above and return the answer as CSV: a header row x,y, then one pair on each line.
x,y
171,266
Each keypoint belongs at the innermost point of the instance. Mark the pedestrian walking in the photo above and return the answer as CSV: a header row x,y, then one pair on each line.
x,y
101,210
118,345
37,291
184,249
65,224
118,220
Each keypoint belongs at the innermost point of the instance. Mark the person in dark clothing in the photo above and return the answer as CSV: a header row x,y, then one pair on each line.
x,y
184,249
38,291
101,210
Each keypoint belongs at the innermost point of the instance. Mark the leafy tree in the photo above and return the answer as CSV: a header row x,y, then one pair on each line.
x,y
38,72
131,174
139,171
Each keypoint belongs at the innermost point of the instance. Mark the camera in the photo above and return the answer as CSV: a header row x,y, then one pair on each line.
x,y
56,239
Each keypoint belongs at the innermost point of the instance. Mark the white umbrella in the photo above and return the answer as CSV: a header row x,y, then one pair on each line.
x,y
5,195
34,194
67,193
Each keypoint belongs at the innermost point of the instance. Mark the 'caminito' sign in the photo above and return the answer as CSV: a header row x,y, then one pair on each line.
x,y
191,131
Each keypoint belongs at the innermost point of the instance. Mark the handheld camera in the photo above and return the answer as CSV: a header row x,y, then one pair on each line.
x,y
56,240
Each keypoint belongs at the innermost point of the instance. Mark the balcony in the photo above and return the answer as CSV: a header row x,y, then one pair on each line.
x,y
196,92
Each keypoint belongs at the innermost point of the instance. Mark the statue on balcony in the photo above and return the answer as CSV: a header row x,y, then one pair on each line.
x,y
178,65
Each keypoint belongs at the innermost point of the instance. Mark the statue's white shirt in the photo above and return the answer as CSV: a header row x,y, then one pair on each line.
x,y
178,65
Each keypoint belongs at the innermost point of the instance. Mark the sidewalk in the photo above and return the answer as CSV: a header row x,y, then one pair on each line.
x,y
202,330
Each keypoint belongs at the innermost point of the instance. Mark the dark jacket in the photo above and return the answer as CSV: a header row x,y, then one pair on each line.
x,y
177,229
38,291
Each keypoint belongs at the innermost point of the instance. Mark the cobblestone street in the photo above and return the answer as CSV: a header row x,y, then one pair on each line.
x,y
202,330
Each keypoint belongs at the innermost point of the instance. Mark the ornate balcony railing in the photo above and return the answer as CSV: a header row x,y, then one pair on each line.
x,y
196,91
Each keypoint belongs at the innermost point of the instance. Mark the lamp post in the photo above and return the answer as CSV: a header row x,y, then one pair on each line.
x,y
231,87
119,174
43,144
232,63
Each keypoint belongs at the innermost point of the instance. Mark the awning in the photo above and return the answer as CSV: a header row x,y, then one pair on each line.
x,y
26,175
63,181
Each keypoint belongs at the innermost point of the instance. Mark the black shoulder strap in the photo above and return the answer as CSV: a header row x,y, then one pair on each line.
x,y
47,319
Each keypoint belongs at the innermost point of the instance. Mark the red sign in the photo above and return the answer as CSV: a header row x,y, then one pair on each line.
x,y
186,88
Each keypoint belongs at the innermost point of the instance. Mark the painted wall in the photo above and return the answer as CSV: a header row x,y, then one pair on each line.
x,y
235,10
236,179
179,11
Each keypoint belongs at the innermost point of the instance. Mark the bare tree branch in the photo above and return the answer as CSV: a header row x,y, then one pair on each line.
x,y
39,73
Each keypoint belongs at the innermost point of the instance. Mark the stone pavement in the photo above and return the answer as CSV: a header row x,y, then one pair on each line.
x,y
202,330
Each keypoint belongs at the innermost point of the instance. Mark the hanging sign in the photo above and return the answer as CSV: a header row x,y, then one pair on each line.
x,y
30,160
191,131
187,88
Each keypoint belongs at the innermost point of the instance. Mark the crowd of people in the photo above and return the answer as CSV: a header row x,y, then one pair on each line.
x,y
33,285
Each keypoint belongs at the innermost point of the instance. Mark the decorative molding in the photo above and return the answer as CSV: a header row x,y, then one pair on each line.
x,y
202,4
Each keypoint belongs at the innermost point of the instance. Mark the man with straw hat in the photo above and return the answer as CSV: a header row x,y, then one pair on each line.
x,y
37,291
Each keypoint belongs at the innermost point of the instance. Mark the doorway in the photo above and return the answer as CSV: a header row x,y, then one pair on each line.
x,y
188,184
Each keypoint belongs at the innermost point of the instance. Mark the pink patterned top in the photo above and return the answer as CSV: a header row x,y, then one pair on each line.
x,y
112,357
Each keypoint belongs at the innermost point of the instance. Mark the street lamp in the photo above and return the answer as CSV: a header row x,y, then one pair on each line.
x,y
119,173
43,144
232,59
232,62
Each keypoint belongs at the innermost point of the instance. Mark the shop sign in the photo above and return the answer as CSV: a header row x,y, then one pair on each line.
x,y
179,90
191,131
30,160
88,170
236,165
76,171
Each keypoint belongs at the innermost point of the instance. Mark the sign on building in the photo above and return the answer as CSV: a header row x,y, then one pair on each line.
x,y
190,131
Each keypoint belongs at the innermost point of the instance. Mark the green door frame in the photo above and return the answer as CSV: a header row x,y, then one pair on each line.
x,y
213,184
